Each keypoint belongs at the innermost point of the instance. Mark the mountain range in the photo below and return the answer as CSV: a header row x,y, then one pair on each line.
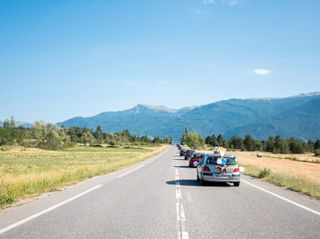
x,y
296,116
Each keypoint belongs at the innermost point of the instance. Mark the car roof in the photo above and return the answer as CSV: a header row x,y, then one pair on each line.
x,y
218,155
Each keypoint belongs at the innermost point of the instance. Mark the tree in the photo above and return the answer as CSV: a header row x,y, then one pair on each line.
x,y
167,140
280,146
192,139
9,123
249,143
296,146
270,144
211,140
99,134
52,140
156,140
88,138
236,142
316,144
221,141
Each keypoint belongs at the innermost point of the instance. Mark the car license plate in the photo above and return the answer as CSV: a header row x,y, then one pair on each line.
x,y
222,176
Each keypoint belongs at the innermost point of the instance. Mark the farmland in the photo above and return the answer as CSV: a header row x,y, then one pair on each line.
x,y
296,172
28,172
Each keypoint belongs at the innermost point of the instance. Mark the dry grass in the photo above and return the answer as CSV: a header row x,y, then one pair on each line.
x,y
28,172
279,164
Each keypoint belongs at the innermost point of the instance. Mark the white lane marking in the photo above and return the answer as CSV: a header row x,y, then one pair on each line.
x,y
282,198
27,219
126,173
181,218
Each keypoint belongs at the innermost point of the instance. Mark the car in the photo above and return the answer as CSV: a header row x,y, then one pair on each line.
x,y
183,151
208,170
188,154
195,159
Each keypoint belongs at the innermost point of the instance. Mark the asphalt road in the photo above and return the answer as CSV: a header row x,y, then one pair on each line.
x,y
160,198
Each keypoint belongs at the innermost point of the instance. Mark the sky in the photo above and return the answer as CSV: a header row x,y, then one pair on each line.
x,y
65,58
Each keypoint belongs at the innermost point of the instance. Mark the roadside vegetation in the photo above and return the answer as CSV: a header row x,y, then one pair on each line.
x,y
276,145
297,184
28,172
51,137
45,157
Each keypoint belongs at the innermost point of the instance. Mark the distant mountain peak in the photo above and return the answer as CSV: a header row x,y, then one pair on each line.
x,y
295,116
153,107
316,93
309,94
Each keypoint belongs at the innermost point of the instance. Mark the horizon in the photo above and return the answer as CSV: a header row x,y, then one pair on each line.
x,y
80,58
164,106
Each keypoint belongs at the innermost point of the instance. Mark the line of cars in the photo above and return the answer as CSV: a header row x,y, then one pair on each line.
x,y
213,167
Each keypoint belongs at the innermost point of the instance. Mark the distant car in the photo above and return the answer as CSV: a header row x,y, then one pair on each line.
x,y
188,154
183,151
195,159
208,170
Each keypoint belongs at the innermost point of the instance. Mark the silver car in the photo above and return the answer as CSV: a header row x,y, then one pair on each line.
x,y
208,170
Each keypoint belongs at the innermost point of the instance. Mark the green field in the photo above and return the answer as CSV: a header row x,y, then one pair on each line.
x,y
29,172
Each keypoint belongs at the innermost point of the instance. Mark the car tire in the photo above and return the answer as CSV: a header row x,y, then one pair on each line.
x,y
203,182
236,184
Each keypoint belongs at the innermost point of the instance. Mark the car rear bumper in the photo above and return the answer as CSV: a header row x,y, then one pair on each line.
x,y
219,178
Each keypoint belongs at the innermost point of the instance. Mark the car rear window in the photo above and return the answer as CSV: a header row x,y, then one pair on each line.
x,y
231,161
213,160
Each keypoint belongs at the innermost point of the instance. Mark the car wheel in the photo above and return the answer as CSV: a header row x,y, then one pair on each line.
x,y
236,184
203,182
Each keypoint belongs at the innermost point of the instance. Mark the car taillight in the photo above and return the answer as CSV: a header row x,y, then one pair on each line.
x,y
236,170
206,169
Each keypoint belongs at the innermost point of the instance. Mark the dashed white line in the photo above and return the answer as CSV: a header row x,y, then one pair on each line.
x,y
282,198
27,219
181,218
126,173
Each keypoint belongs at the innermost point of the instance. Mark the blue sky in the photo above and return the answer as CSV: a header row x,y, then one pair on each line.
x,y
60,59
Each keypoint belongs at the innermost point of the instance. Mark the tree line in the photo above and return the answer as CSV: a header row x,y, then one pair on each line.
x,y
248,143
49,136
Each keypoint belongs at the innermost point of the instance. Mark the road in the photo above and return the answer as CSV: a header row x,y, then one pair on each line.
x,y
160,198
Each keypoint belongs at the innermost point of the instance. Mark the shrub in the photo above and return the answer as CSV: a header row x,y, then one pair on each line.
x,y
265,172
317,152
296,147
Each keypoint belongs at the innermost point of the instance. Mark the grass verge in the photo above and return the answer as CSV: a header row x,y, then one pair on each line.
x,y
296,184
28,173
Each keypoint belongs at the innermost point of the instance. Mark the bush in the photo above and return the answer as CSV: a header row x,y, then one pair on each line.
x,y
6,197
296,147
317,152
265,172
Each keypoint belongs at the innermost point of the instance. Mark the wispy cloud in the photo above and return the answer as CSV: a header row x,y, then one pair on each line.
x,y
198,11
262,71
231,2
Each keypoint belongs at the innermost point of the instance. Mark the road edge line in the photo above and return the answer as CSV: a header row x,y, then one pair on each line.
x,y
282,198
27,219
